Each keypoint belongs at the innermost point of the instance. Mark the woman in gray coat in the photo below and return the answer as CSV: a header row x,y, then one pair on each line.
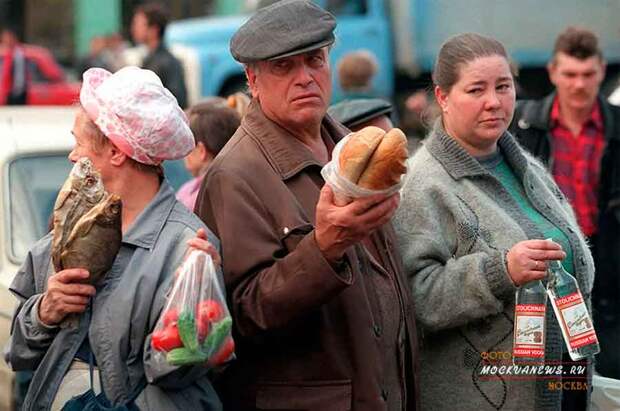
x,y
474,215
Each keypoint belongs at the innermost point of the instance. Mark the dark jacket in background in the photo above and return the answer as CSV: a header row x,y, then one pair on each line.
x,y
12,70
531,125
309,336
169,70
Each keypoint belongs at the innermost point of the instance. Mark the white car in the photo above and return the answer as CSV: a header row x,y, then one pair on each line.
x,y
34,145
33,166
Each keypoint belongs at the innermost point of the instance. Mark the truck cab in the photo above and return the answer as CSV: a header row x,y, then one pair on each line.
x,y
406,35
362,24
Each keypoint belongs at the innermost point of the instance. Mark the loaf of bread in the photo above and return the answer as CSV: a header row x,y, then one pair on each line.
x,y
356,153
387,163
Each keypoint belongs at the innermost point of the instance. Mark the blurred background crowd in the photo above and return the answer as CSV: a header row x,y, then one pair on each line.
x,y
371,60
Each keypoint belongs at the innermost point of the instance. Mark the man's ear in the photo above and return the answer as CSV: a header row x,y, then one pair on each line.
x,y
551,66
442,99
250,74
201,150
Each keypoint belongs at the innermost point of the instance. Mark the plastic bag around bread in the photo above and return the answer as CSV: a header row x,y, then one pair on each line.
x,y
345,190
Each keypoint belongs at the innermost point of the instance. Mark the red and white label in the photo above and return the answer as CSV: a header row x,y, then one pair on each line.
x,y
576,320
529,332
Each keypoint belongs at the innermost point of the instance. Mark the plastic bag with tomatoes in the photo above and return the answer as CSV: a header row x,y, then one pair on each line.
x,y
195,325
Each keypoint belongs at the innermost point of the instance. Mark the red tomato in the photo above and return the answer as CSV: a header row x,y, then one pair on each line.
x,y
166,339
225,352
210,310
207,312
171,317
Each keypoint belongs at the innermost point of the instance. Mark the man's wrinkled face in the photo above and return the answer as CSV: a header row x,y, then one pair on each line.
x,y
293,91
577,81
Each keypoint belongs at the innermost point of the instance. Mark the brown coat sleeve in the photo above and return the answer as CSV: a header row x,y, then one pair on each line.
x,y
272,277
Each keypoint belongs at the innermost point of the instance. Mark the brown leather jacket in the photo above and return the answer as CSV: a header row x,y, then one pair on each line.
x,y
308,337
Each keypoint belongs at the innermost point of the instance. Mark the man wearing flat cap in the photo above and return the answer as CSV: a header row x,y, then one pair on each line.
x,y
322,316
363,112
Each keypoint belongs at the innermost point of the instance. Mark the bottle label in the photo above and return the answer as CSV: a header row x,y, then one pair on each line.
x,y
576,320
529,333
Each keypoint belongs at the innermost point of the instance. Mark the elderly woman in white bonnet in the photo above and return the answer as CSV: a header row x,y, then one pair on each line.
x,y
128,123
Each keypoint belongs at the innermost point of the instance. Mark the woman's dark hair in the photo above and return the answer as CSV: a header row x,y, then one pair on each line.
x,y
460,50
213,123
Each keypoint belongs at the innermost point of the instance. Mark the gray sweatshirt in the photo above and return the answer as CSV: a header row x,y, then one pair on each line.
x,y
122,315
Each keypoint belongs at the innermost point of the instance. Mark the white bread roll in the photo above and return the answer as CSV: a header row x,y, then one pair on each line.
x,y
356,153
388,162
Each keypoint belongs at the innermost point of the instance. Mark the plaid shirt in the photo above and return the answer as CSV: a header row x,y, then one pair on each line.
x,y
576,164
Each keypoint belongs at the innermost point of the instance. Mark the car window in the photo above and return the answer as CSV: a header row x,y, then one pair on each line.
x,y
36,75
34,183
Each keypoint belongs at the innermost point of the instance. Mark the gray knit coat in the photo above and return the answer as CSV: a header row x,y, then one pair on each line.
x,y
455,224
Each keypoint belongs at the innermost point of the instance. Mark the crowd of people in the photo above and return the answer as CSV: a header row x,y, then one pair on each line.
x,y
387,303
148,26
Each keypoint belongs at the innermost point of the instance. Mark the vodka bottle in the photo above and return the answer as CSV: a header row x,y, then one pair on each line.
x,y
571,312
529,324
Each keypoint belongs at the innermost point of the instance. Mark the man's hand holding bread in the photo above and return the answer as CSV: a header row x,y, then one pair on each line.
x,y
371,160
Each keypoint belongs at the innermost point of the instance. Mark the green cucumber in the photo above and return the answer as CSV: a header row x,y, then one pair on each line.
x,y
184,356
219,332
187,330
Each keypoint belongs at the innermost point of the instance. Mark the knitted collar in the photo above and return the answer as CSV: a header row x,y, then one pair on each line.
x,y
460,164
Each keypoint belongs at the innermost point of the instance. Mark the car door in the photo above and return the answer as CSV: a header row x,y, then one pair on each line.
x,y
46,90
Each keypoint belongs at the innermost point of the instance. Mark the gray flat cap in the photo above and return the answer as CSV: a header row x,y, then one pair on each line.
x,y
285,28
354,112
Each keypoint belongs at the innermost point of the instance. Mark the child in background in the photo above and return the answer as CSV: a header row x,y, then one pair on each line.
x,y
213,123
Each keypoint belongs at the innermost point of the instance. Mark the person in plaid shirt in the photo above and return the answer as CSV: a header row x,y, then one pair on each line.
x,y
576,133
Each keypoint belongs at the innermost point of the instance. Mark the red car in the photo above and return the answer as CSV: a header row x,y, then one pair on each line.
x,y
48,85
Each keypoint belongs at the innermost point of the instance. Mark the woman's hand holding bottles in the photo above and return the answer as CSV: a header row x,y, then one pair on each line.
x,y
527,260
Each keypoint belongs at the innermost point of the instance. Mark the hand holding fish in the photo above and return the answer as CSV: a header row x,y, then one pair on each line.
x,y
65,295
